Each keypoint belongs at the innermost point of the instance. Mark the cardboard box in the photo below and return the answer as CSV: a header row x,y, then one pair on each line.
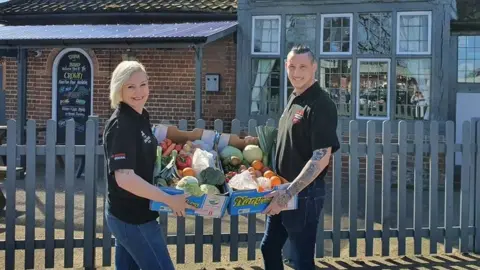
x,y
251,201
213,206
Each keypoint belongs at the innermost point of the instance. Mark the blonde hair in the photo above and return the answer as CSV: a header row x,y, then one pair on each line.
x,y
120,75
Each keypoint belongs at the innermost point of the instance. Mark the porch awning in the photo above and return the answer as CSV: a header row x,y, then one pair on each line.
x,y
132,34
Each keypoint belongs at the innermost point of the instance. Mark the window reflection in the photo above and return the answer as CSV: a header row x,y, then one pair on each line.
x,y
373,89
300,29
266,35
374,33
468,59
335,77
413,89
265,95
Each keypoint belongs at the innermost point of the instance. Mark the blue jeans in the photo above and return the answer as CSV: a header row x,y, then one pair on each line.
x,y
299,226
139,246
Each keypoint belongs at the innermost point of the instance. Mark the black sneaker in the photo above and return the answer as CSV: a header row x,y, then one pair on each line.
x,y
289,263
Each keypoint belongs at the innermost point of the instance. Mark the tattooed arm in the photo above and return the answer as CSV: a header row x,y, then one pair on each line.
x,y
317,163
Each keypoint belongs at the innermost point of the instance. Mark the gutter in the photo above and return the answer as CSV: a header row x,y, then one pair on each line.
x,y
119,15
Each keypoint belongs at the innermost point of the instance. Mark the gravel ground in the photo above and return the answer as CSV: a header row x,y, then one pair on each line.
x,y
327,263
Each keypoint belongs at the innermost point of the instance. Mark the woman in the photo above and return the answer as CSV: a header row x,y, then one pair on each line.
x,y
130,152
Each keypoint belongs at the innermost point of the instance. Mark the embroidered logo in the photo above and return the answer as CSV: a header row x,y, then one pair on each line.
x,y
297,117
146,138
119,156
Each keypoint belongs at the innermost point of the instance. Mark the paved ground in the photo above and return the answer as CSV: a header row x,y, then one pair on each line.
x,y
79,215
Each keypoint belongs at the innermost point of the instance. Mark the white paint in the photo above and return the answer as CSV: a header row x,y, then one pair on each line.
x,y
466,108
55,79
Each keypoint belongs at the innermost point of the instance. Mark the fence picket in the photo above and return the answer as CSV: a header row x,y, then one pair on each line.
x,y
402,187
418,188
69,191
90,216
50,175
386,186
252,218
30,194
370,188
107,235
449,178
433,190
337,198
199,221
353,182
217,223
236,128
465,186
477,189
182,125
10,194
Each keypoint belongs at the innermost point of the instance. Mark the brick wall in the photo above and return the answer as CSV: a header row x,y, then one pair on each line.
x,y
172,82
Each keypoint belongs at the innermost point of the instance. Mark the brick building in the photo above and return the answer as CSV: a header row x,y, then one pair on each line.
x,y
171,65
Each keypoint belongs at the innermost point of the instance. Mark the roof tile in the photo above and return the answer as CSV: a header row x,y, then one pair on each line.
x,y
15,7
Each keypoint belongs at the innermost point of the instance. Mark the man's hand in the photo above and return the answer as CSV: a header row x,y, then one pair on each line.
x,y
250,140
278,203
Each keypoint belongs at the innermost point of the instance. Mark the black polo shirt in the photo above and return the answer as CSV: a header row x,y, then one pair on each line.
x,y
129,144
308,123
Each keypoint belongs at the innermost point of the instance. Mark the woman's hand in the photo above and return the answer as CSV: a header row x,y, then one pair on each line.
x,y
178,204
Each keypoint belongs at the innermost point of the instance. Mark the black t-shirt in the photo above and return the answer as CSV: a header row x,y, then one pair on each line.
x,y
129,144
308,123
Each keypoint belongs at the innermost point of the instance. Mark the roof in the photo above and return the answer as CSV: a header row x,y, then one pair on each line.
x,y
18,7
202,32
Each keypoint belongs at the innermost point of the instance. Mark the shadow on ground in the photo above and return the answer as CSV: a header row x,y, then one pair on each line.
x,y
455,261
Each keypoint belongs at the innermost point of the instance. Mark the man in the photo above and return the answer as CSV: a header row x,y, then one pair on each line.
x,y
306,139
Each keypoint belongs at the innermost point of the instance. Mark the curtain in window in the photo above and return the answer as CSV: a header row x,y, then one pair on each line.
x,y
260,87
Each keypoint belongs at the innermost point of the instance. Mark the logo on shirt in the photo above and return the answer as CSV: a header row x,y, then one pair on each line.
x,y
297,117
119,156
146,138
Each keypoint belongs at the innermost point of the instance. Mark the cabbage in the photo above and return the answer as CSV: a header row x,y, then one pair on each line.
x,y
230,151
252,152
209,189
189,184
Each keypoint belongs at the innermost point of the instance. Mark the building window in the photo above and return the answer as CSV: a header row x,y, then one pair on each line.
x,y
468,59
335,77
266,35
374,33
265,95
336,33
300,29
373,76
413,89
414,30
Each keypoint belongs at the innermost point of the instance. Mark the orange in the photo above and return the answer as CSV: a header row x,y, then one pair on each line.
x,y
188,172
257,165
275,181
260,189
268,174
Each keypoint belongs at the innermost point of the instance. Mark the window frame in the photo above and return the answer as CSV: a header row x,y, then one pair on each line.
x,y
458,60
252,45
429,41
336,15
357,89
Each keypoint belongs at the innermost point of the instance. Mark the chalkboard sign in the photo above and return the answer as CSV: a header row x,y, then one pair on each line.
x,y
73,86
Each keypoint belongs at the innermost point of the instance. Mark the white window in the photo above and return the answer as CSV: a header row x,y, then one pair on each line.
x,y
414,32
266,35
373,89
336,34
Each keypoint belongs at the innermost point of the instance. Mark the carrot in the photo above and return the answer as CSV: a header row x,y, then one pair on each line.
x,y
169,142
169,150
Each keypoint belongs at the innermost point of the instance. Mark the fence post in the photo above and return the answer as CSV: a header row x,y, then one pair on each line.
x,y
475,186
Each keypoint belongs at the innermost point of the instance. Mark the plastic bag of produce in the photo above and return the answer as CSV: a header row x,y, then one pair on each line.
x,y
201,160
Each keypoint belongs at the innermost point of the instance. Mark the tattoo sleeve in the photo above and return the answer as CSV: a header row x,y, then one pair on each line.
x,y
311,170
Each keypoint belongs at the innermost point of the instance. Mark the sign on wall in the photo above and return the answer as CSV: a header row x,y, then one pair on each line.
x,y
72,92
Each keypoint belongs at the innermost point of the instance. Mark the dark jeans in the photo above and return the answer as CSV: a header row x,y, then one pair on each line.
x,y
139,246
299,226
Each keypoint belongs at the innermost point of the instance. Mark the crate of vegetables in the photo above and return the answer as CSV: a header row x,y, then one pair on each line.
x,y
191,168
250,180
